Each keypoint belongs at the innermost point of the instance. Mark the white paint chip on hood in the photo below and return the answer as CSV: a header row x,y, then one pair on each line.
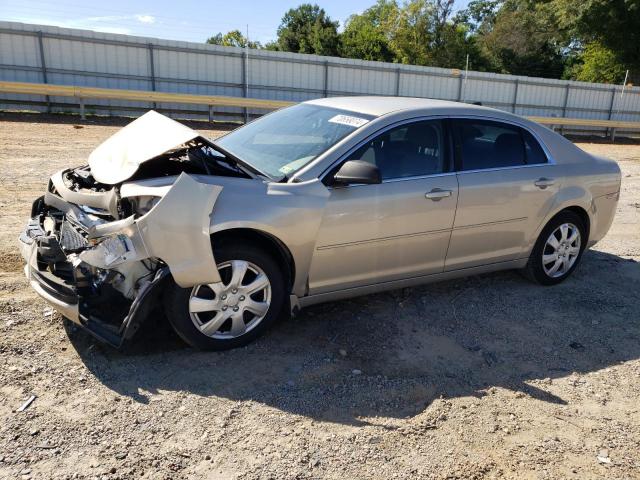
x,y
119,157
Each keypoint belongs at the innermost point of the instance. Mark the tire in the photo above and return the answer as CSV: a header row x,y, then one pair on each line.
x,y
544,256
197,314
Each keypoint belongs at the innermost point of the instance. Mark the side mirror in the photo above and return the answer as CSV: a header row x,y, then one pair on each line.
x,y
357,171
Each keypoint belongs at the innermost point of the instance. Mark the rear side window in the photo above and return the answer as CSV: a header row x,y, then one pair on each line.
x,y
533,150
486,144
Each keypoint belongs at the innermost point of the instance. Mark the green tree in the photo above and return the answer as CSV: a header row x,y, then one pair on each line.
x,y
613,24
596,63
420,32
524,38
457,43
410,38
426,34
272,45
366,36
234,38
441,30
308,29
479,16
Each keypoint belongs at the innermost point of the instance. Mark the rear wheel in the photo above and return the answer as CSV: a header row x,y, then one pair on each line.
x,y
558,249
235,311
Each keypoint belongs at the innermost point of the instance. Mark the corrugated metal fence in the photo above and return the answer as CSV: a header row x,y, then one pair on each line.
x,y
35,53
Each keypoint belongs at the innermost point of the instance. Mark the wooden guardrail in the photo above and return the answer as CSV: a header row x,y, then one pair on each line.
x,y
611,125
586,122
82,93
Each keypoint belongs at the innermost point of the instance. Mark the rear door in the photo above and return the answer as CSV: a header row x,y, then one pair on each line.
x,y
507,186
394,230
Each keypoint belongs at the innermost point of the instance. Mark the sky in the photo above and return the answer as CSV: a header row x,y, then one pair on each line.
x,y
188,20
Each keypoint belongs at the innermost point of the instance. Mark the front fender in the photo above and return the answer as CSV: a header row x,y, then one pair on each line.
x,y
178,228
289,212
175,230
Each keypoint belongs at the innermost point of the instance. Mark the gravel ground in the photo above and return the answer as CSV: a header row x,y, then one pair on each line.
x,y
483,377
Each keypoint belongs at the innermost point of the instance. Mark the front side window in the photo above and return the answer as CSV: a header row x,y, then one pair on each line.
x,y
410,150
281,143
484,144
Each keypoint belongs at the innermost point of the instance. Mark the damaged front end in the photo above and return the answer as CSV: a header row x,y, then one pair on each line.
x,y
99,250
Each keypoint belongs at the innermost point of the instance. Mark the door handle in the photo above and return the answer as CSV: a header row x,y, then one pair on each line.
x,y
544,182
437,194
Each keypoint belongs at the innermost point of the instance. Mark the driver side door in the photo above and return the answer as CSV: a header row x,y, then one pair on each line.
x,y
397,229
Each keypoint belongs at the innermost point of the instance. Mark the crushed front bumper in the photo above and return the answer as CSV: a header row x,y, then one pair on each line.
x,y
54,290
104,274
110,326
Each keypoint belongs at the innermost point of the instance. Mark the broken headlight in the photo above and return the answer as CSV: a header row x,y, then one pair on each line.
x,y
143,204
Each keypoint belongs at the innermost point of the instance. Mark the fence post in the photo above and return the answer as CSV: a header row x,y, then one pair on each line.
x,y
398,82
564,105
43,67
460,87
245,81
152,70
82,115
613,101
612,131
515,96
326,78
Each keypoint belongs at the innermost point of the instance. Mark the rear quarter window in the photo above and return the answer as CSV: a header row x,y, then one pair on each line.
x,y
533,151
484,144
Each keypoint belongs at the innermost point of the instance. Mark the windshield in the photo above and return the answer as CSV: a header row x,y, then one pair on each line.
x,y
284,141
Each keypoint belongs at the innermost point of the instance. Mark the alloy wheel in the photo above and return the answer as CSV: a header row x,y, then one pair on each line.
x,y
561,250
233,306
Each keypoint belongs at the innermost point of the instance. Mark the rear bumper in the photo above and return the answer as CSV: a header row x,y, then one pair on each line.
x,y
604,211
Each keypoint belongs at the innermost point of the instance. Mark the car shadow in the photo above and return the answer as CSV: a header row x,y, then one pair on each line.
x,y
392,354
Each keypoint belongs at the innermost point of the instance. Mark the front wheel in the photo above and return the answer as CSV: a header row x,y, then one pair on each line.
x,y
558,250
235,311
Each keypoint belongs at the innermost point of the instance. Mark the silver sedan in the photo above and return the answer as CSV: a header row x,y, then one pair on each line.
x,y
324,200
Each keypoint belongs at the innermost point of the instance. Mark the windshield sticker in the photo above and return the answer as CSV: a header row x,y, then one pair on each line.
x,y
285,169
348,120
295,165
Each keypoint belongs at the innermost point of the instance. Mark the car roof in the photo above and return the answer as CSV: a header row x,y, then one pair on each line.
x,y
378,106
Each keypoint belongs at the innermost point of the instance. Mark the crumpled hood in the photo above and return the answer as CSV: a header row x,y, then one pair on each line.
x,y
119,157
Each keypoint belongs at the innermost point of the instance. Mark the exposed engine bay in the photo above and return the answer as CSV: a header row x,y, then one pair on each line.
x,y
196,157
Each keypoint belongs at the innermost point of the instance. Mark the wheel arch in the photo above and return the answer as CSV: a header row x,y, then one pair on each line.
x,y
573,199
584,216
571,207
266,241
534,269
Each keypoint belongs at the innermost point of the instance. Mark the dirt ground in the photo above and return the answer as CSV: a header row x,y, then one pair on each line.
x,y
483,377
